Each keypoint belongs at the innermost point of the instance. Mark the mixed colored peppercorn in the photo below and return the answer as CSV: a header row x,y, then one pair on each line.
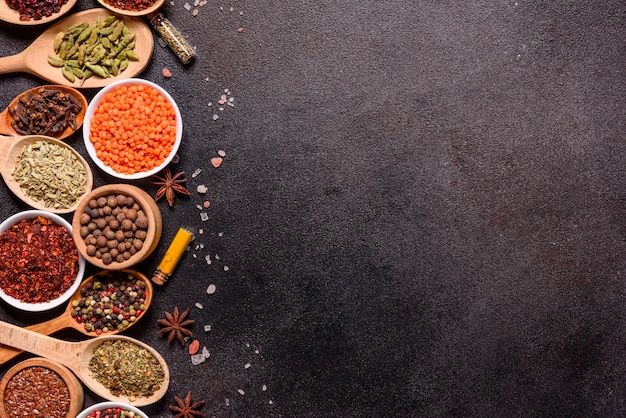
x,y
38,260
112,302
111,413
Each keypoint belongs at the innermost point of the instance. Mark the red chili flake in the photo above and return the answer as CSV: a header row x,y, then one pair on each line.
x,y
131,5
36,9
38,260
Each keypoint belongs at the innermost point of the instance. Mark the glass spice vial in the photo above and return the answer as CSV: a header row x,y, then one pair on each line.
x,y
173,38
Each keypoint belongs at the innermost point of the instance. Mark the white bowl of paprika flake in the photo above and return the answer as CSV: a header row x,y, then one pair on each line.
x,y
40,266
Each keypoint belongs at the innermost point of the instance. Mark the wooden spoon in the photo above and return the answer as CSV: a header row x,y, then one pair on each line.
x,y
12,16
65,320
76,356
34,59
6,118
10,150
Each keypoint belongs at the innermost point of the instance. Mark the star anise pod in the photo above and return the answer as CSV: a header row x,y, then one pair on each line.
x,y
170,185
175,324
185,408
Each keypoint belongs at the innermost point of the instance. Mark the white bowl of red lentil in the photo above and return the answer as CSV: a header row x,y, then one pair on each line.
x,y
132,129
40,265
112,409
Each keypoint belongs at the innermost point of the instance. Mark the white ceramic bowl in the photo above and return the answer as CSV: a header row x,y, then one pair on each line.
x,y
104,405
53,303
87,129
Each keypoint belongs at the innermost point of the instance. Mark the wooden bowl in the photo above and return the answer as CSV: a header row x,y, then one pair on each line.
x,y
145,202
10,150
75,389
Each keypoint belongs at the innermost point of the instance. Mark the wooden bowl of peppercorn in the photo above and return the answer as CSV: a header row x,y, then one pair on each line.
x,y
40,387
117,226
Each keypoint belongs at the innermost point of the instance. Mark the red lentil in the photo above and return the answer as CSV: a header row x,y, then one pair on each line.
x,y
38,260
133,128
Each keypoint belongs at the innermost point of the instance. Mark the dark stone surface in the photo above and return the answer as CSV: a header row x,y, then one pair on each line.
x,y
422,207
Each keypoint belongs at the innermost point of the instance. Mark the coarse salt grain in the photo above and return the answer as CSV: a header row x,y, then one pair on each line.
x,y
187,6
241,392
195,173
197,359
247,366
204,216
221,153
226,268
211,289
202,189
215,117
208,258
207,328
205,352
198,305
264,388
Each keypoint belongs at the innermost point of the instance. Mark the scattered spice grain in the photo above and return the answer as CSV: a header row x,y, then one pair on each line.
x,y
194,347
217,161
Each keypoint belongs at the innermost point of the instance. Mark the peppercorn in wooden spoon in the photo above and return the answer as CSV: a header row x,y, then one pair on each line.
x,y
108,314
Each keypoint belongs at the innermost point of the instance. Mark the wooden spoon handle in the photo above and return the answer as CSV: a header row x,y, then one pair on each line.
x,y
4,126
13,64
49,327
64,352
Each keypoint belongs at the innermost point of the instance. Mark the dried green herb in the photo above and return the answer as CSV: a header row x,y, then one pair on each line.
x,y
51,174
126,369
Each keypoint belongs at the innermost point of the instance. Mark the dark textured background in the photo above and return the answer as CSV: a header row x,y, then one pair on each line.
x,y
421,209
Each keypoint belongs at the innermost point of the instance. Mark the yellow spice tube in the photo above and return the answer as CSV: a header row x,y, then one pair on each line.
x,y
172,256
